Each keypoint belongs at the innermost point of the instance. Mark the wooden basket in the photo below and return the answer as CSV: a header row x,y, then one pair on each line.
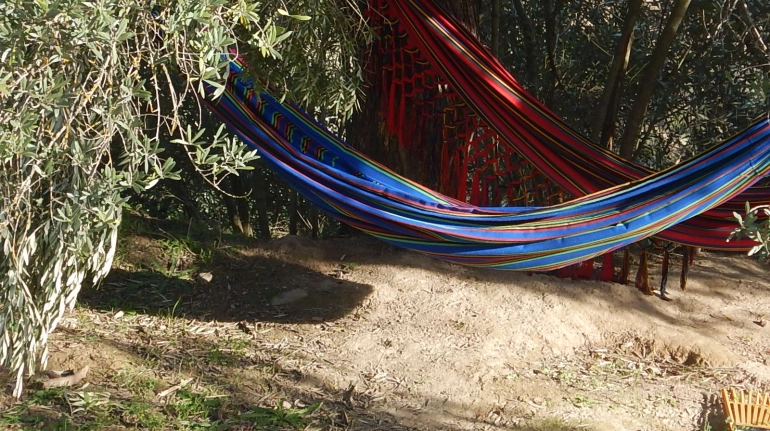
x,y
751,409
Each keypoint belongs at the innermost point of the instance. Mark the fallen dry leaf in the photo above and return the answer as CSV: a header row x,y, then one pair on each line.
x,y
65,379
174,388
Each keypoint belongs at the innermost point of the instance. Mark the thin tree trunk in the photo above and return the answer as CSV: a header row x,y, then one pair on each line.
x,y
180,190
605,117
293,208
232,213
495,46
758,44
552,11
238,205
314,228
229,196
528,32
240,190
260,203
638,112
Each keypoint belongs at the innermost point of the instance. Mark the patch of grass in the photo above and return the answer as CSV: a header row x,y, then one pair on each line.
x,y
146,392
233,354
143,415
87,401
194,410
133,225
164,247
582,401
186,410
280,416
59,409
27,416
217,356
459,325
144,291
350,267
566,376
46,397
659,399
182,257
137,383
553,424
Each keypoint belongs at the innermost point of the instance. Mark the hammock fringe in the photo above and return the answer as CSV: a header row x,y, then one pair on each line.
x,y
643,276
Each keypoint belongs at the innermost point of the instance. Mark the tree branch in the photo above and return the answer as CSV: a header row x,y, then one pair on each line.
x,y
638,112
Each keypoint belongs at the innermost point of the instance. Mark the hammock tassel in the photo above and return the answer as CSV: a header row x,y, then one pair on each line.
x,y
574,271
664,276
586,269
563,272
643,276
608,268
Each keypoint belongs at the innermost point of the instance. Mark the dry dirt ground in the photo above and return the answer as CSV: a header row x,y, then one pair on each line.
x,y
389,339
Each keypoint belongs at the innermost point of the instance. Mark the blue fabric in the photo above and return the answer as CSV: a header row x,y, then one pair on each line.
x,y
348,186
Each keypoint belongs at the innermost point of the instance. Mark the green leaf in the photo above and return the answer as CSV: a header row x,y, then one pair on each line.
x,y
297,17
282,37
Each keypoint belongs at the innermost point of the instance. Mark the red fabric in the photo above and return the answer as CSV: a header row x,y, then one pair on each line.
x,y
608,268
586,270
413,92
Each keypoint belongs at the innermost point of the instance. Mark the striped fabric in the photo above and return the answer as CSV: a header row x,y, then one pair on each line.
x,y
561,153
372,198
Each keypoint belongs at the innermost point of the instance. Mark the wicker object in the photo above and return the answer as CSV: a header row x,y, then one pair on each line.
x,y
746,409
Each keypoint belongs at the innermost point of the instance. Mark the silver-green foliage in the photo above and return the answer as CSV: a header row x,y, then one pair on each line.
x,y
87,91
756,229
319,65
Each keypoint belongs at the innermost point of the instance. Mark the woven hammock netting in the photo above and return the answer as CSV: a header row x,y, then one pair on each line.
x,y
422,109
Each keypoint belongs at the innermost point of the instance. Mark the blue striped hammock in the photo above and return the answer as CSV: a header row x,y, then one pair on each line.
x,y
368,196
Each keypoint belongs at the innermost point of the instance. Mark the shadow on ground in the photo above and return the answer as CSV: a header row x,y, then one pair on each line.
x,y
252,284
241,288
255,376
301,280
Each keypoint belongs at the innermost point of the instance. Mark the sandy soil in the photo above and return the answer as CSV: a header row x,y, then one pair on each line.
x,y
439,346
443,345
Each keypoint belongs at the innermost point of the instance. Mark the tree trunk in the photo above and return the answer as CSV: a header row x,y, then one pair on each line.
x,y
528,33
293,208
232,213
638,112
605,117
241,190
758,45
238,205
180,190
314,228
260,202
495,45
552,11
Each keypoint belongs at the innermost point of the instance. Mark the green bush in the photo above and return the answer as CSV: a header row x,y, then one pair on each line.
x,y
754,228
91,92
